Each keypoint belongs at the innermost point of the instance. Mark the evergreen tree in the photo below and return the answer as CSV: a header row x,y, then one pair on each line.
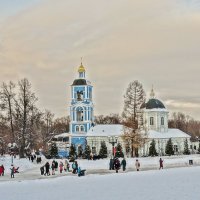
x,y
169,148
103,153
199,148
80,151
54,150
152,149
119,152
72,151
186,148
87,152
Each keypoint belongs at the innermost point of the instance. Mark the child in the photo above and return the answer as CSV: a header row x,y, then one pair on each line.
x,y
12,171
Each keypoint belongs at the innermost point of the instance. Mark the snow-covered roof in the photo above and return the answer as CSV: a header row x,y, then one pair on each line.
x,y
172,133
106,130
62,135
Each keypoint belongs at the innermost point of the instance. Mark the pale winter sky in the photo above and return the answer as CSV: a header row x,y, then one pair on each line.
x,y
154,41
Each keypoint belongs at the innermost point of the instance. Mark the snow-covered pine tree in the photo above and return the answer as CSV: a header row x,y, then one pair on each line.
x,y
87,152
119,152
152,149
186,148
103,153
54,150
169,148
72,151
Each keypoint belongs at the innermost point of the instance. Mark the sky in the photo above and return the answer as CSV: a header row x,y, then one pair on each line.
x,y
155,42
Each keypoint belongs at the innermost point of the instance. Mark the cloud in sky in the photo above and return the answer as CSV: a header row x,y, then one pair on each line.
x,y
155,42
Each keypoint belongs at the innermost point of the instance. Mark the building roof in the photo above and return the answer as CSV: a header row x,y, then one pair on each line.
x,y
172,133
107,130
62,135
152,104
79,82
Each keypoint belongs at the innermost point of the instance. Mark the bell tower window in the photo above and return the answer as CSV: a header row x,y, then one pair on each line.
x,y
79,95
151,121
80,114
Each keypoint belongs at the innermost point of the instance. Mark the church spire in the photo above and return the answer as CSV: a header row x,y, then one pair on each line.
x,y
152,94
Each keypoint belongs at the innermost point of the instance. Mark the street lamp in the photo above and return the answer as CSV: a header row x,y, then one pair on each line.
x,y
12,146
113,140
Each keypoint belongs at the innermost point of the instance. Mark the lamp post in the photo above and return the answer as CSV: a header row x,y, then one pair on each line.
x,y
11,147
113,140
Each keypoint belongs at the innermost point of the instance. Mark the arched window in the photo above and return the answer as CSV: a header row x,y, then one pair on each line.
x,y
151,121
77,128
82,128
79,113
162,121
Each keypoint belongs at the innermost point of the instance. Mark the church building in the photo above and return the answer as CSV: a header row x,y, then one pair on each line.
x,y
153,124
81,109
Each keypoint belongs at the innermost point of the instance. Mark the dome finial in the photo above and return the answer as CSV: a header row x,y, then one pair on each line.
x,y
152,94
81,68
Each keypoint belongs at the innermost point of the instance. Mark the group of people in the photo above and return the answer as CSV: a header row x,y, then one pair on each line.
x,y
48,169
45,170
116,165
33,157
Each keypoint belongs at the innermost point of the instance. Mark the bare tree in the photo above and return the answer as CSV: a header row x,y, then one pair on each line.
x,y
24,107
7,95
108,119
133,99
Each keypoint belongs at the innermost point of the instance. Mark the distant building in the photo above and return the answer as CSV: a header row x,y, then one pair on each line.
x,y
154,124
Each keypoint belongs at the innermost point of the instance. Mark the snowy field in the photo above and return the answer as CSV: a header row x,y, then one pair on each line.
x,y
167,184
23,164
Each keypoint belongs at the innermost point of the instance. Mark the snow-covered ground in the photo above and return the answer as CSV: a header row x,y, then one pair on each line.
x,y
23,164
145,162
167,184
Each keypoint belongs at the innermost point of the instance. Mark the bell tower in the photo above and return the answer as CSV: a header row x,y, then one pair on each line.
x,y
81,109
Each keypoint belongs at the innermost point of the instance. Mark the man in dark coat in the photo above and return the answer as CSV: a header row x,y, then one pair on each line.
x,y
161,163
111,164
42,170
117,164
47,166
123,164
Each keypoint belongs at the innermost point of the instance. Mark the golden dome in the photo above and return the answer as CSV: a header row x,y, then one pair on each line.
x,y
81,68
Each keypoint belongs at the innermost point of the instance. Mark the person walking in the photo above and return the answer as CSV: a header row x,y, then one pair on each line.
x,y
137,165
117,164
42,170
56,165
161,163
53,167
1,170
61,166
73,168
32,158
12,171
47,166
123,164
111,164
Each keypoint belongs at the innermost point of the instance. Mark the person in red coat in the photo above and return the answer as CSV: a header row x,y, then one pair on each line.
x,y
1,171
161,163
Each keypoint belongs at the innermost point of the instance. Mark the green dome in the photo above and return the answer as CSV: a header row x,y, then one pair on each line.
x,y
153,103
